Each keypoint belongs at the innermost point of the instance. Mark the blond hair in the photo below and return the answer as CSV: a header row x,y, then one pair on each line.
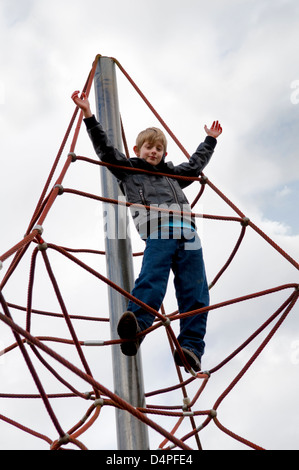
x,y
151,135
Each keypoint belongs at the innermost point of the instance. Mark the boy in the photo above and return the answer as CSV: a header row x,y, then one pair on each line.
x,y
171,238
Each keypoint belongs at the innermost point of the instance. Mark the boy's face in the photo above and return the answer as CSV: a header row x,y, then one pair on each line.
x,y
152,153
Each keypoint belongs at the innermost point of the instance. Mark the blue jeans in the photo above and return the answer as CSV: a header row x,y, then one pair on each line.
x,y
183,254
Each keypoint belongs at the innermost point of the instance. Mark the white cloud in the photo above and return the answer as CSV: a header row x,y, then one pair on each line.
x,y
285,191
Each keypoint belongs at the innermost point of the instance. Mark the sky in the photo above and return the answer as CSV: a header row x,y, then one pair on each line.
x,y
196,61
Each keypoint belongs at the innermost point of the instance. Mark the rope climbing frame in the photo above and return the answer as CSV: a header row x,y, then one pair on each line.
x,y
71,371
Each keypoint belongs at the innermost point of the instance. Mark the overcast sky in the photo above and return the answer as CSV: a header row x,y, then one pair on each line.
x,y
196,61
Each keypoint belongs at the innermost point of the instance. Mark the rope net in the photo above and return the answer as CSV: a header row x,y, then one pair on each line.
x,y
49,325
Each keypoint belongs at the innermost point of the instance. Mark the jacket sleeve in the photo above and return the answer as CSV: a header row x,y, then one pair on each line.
x,y
198,161
104,149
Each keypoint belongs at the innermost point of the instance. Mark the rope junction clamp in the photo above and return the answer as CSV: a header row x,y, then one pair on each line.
x,y
98,402
73,155
1,265
166,322
64,439
186,404
199,428
60,188
94,342
213,413
186,401
206,372
188,413
39,228
245,221
42,246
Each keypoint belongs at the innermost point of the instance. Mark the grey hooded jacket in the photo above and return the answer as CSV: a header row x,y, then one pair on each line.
x,y
148,187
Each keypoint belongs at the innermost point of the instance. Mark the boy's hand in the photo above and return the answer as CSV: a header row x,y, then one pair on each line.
x,y
82,103
215,130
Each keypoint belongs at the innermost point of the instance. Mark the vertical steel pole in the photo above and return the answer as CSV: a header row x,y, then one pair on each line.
x,y
127,371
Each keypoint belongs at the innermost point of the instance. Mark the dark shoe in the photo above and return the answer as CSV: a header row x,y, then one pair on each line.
x,y
128,328
190,357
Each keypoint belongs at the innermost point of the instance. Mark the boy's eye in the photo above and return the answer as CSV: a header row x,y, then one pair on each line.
x,y
149,147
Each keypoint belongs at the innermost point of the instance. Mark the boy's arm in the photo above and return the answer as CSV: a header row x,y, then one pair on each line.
x,y
202,156
103,147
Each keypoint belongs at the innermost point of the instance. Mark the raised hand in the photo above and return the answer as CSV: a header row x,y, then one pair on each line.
x,y
82,103
215,129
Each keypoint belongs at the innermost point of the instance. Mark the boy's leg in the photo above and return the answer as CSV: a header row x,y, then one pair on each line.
x,y
151,284
192,293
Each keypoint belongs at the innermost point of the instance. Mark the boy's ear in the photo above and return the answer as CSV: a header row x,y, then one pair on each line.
x,y
136,151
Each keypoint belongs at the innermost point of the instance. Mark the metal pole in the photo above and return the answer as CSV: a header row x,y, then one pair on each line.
x,y
127,371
